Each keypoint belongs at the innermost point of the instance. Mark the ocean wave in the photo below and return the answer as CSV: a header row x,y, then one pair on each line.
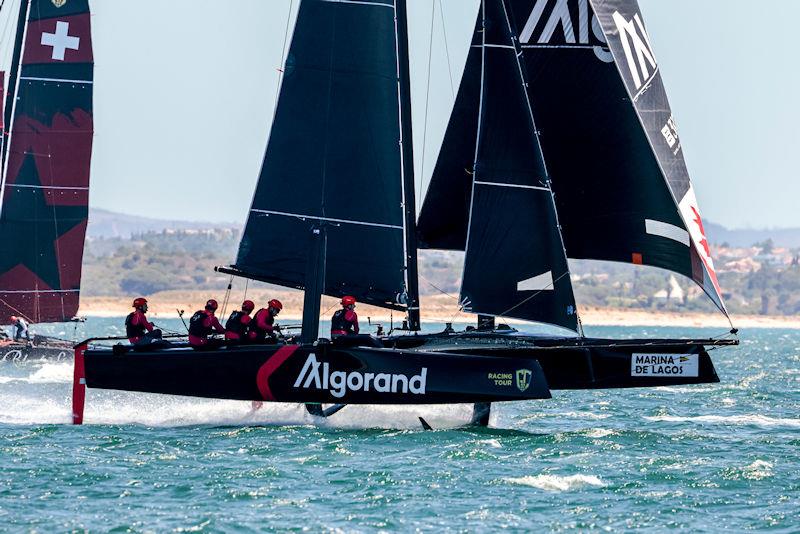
x,y
558,483
758,470
756,420
49,373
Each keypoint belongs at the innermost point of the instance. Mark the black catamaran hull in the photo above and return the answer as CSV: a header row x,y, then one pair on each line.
x,y
323,373
584,363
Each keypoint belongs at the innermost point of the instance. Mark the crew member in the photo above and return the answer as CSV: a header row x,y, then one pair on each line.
x,y
345,321
202,324
263,324
238,323
138,329
20,328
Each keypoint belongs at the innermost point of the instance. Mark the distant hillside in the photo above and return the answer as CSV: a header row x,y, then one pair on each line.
x,y
109,224
782,237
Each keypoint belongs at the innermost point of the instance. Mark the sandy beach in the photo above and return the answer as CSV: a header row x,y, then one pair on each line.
x,y
437,308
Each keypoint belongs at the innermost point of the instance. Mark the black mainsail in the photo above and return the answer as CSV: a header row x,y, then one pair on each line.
x,y
336,162
515,264
608,136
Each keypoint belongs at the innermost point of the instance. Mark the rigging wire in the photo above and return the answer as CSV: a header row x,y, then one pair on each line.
x,y
427,101
437,288
283,59
447,51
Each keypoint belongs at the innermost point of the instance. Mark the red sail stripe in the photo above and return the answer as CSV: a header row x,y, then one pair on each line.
x,y
269,367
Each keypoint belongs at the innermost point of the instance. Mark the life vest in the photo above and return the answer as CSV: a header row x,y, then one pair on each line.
x,y
234,324
133,331
260,334
196,326
340,325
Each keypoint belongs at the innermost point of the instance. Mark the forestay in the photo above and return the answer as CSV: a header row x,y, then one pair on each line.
x,y
46,160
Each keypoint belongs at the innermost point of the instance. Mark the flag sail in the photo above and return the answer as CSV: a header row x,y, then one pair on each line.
x,y
335,159
46,161
515,264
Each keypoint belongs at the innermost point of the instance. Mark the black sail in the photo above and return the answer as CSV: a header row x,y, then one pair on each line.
x,y
610,141
612,149
334,158
515,264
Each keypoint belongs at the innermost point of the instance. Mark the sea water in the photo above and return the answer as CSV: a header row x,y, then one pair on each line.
x,y
716,457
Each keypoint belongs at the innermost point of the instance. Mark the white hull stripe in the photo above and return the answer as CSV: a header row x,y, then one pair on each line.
x,y
542,282
360,3
48,187
327,219
518,186
670,231
40,291
55,80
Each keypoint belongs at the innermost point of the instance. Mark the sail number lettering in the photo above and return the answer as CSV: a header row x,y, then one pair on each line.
x,y
553,24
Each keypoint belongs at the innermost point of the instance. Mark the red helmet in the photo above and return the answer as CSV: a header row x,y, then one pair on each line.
x,y
138,303
212,305
348,300
275,303
248,306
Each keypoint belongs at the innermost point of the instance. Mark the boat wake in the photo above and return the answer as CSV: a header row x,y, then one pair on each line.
x,y
742,420
557,483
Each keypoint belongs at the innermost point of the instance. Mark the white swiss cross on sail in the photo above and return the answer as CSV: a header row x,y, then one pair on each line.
x,y
61,40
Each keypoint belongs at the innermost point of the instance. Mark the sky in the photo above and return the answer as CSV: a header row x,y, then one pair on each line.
x,y
185,91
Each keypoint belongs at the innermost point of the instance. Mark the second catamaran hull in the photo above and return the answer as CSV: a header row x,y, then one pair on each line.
x,y
21,353
323,373
581,363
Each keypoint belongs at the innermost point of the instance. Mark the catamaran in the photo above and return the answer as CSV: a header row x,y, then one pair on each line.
x,y
44,166
334,213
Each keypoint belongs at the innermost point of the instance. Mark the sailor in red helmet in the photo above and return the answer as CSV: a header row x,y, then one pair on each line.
x,y
263,324
345,321
138,329
202,324
238,323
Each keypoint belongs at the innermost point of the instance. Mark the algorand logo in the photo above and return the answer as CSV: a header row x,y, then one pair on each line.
x,y
559,28
319,376
638,51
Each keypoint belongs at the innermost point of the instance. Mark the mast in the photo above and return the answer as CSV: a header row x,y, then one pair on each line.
x,y
407,165
315,283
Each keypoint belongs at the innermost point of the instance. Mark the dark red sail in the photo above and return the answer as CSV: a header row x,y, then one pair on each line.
x,y
46,160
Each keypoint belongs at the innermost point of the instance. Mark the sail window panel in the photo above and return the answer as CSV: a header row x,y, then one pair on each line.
x,y
334,158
